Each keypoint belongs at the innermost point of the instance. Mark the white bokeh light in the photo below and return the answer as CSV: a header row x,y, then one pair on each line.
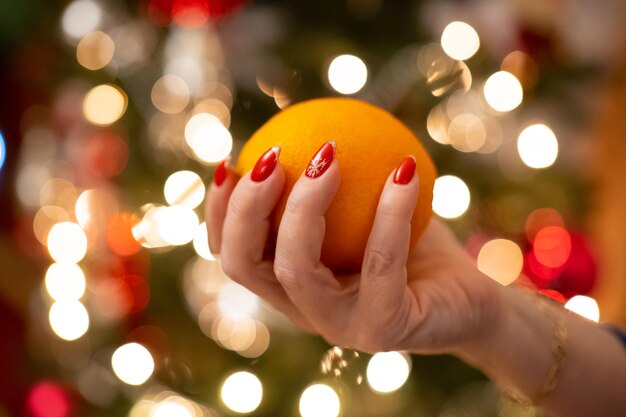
x,y
177,225
537,146
80,18
67,242
211,142
503,92
132,363
347,74
501,260
184,188
201,243
69,319
387,371
319,400
460,41
242,392
236,300
65,281
584,306
172,406
451,197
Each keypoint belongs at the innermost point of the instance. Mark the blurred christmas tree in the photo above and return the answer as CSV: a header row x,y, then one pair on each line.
x,y
114,115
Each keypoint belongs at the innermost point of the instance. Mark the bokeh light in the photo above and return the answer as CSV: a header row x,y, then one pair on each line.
x,y
236,300
451,197
132,363
65,281
387,371
67,242
503,92
347,74
104,104
209,140
552,246
170,94
242,392
95,50
319,400
540,218
68,319
460,41
119,234
537,146
501,260
3,151
201,243
172,407
48,399
467,133
184,188
177,225
584,306
80,18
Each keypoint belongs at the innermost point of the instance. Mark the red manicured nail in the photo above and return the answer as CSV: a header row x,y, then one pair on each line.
x,y
405,171
220,173
265,165
322,160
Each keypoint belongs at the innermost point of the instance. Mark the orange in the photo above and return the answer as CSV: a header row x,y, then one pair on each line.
x,y
370,144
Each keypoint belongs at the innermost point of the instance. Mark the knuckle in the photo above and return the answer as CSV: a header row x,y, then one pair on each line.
x,y
286,273
239,205
378,262
229,266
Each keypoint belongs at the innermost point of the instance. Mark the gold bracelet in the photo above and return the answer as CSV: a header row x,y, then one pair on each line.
x,y
558,350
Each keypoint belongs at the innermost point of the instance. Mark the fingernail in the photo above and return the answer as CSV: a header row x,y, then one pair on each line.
x,y
322,160
265,165
405,171
220,173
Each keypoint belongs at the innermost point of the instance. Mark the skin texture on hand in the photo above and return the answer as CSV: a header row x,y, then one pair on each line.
x,y
439,308
429,300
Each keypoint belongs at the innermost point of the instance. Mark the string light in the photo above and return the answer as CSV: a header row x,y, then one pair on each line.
x,y
184,188
501,260
451,197
537,146
95,50
460,41
503,92
211,142
170,94
242,392
172,407
68,319
552,246
104,104
67,242
236,300
132,363
80,18
387,371
176,225
3,151
347,74
65,281
584,306
201,243
319,400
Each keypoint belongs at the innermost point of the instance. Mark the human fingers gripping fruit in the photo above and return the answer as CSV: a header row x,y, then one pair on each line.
x,y
369,143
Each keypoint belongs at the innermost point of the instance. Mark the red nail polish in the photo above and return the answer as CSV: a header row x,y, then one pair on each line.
x,y
322,160
220,173
405,171
265,165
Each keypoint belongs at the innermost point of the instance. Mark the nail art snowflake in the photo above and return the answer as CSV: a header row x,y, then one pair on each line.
x,y
316,167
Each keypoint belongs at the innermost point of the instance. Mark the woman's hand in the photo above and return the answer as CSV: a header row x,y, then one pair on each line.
x,y
431,299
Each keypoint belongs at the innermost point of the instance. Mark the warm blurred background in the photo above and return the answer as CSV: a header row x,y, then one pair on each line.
x,y
115,113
